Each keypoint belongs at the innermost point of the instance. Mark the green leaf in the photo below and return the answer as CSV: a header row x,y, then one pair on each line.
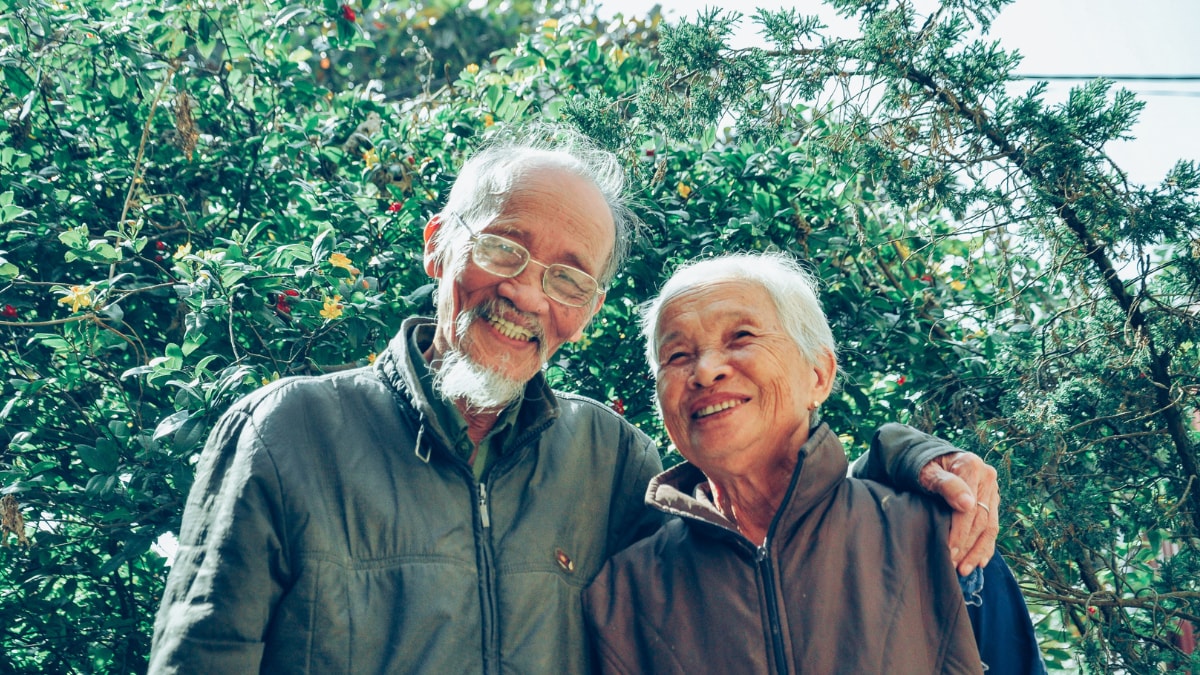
x,y
299,55
520,62
170,424
102,457
18,81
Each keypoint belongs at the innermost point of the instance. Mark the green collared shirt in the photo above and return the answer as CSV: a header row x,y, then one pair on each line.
x,y
451,419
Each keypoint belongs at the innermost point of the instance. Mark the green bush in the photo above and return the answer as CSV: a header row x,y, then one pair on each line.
x,y
198,199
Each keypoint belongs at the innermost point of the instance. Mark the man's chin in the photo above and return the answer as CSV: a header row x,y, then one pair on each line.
x,y
463,379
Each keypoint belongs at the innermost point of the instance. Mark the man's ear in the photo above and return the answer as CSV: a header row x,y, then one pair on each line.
x,y
433,265
595,308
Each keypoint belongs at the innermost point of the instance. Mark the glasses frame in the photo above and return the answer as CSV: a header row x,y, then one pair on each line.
x,y
475,238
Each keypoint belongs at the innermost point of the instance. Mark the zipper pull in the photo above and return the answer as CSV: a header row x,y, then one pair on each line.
x,y
762,552
483,506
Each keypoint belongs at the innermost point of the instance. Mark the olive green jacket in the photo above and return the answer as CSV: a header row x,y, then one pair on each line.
x,y
330,530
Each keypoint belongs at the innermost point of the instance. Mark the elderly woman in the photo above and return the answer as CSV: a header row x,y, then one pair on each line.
x,y
777,562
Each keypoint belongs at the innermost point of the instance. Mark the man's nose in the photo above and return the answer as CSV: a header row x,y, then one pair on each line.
x,y
525,290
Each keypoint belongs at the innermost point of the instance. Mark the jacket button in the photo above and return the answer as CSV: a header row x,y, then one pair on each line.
x,y
564,560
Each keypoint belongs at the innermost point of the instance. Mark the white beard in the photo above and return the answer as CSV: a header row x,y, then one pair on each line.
x,y
480,387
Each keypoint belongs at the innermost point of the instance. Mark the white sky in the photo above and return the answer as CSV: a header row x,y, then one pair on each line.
x,y
1069,37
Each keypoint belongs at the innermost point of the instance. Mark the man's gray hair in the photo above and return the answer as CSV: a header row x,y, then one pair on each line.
x,y
488,179
791,287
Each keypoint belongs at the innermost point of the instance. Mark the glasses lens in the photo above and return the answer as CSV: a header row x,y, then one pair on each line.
x,y
499,256
506,258
569,285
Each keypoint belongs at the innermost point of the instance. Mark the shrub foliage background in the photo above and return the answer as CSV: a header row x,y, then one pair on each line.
x,y
199,197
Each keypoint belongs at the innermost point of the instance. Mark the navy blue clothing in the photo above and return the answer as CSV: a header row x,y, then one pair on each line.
x,y
1000,620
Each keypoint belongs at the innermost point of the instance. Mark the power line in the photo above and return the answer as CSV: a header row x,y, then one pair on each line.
x,y
1117,78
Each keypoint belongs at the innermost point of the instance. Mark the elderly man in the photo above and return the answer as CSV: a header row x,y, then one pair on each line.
x,y
442,510
777,562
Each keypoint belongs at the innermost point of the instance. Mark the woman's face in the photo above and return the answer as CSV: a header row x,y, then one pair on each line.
x,y
734,391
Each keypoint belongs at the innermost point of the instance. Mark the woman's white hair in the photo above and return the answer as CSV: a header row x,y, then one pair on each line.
x,y
791,287
490,177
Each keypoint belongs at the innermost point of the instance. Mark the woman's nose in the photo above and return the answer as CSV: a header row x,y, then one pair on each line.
x,y
711,367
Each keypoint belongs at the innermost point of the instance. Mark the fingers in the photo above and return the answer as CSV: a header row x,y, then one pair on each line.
x,y
985,526
965,481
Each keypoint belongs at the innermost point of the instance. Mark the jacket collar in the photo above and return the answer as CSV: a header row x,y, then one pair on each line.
x,y
683,489
539,407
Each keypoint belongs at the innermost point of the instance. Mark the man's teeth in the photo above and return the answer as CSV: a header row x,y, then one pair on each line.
x,y
716,408
509,329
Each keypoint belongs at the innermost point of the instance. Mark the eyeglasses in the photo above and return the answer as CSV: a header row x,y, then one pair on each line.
x,y
506,258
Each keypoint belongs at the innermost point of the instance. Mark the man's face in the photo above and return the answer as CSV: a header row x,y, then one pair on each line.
x,y
509,327
733,387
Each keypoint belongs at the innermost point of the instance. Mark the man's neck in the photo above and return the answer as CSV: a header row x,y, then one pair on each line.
x,y
479,422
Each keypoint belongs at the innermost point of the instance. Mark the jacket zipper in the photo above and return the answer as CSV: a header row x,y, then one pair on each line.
x,y
483,507
487,583
483,541
763,558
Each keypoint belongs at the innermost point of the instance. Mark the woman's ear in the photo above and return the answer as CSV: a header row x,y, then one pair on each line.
x,y
826,369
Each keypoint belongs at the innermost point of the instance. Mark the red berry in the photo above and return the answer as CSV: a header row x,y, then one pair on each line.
x,y
9,312
348,13
901,380
618,405
160,245
292,292
395,207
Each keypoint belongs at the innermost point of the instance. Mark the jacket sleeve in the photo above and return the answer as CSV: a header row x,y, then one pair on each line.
x,y
229,570
896,456
630,518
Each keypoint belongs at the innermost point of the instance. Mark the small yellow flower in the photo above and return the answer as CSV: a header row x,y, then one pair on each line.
x,y
619,55
903,250
183,250
488,120
472,68
957,285
371,357
78,297
333,307
683,190
371,158
340,260
550,23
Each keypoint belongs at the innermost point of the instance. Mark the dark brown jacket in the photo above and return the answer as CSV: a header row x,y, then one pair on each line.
x,y
854,578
